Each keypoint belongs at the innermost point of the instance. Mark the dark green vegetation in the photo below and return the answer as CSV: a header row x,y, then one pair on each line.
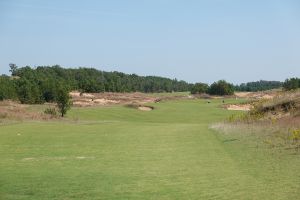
x,y
258,86
221,88
45,80
291,84
123,153
42,84
7,89
199,88
63,101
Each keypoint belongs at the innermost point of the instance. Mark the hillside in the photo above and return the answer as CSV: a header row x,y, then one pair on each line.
x,y
274,122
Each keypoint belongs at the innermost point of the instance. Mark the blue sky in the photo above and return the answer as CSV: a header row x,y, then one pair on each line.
x,y
193,40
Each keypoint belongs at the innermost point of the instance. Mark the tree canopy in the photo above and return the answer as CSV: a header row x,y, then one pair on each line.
x,y
40,84
221,88
63,101
199,88
258,86
291,84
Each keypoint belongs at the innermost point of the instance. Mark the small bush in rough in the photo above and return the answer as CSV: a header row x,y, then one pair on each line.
x,y
50,111
295,135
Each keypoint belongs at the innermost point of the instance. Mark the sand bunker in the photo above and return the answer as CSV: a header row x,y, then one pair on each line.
x,y
267,96
105,101
87,95
75,94
242,107
109,98
255,95
145,108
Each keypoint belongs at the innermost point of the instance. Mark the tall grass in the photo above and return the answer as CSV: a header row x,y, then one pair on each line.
x,y
275,122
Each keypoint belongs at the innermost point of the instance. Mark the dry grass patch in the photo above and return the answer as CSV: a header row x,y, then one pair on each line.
x,y
109,98
113,98
282,134
257,95
275,122
10,110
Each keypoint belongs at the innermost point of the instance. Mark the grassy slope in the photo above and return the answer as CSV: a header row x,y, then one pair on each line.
x,y
122,153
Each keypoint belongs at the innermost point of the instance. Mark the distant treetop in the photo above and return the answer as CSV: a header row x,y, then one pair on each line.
x,y
258,86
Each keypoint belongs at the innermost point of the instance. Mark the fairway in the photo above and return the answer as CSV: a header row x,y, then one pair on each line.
x,y
116,152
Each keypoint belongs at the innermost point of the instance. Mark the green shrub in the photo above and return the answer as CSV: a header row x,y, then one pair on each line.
x,y
295,135
221,88
291,84
50,111
199,88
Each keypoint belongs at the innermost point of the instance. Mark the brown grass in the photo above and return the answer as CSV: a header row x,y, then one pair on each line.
x,y
277,134
275,122
110,98
270,94
284,104
10,110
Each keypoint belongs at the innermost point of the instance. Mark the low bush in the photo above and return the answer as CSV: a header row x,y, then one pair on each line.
x,y
50,111
295,135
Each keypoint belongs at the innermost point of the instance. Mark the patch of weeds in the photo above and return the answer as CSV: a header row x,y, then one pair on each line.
x,y
295,135
51,111
248,117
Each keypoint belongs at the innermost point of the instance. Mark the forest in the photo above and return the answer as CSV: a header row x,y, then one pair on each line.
x,y
43,83
258,86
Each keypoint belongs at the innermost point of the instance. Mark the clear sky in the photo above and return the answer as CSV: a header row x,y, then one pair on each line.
x,y
193,40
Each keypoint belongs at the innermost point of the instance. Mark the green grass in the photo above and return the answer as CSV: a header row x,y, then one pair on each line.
x,y
168,94
123,153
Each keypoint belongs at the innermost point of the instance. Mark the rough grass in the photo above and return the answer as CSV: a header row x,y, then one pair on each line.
x,y
276,135
275,122
123,153
286,102
12,111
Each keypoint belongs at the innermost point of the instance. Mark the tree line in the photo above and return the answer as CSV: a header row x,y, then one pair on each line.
x,y
46,83
223,88
291,84
220,87
42,84
288,84
261,85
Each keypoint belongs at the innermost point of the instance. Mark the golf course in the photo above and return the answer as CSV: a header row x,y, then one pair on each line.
x,y
118,152
149,100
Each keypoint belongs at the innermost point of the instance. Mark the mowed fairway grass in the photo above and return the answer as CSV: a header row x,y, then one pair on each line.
x,y
123,153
